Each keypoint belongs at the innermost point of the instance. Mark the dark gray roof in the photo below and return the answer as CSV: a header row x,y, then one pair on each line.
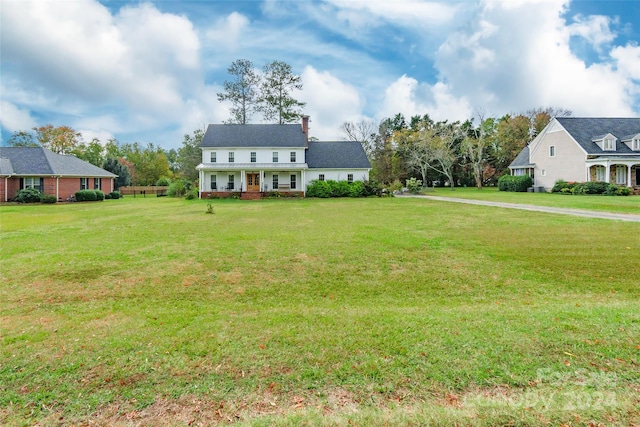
x,y
585,130
289,135
522,160
336,155
38,161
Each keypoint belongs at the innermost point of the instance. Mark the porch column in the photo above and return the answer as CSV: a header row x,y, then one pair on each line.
x,y
607,177
243,177
262,183
200,183
588,173
628,175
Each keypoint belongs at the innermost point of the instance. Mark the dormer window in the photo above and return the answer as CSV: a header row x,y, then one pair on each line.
x,y
609,144
606,142
632,141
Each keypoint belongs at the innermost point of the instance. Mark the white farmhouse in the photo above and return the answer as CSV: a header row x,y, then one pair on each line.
x,y
254,159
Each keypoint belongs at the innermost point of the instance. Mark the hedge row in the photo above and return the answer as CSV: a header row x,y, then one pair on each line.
x,y
590,187
515,183
331,188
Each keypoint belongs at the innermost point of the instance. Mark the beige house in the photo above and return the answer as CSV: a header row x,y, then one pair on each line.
x,y
583,149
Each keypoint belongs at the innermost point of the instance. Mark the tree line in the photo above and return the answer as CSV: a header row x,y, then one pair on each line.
x,y
134,163
441,153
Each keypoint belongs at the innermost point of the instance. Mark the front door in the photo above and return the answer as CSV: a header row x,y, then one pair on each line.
x,y
637,175
253,182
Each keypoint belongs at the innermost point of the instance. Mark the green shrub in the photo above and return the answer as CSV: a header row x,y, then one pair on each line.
x,y
115,194
414,185
356,189
616,190
163,181
561,185
99,195
372,188
320,189
177,188
107,196
191,194
339,188
514,183
48,199
28,195
594,187
86,196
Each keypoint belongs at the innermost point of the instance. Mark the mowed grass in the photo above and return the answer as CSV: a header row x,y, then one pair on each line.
x,y
316,312
620,204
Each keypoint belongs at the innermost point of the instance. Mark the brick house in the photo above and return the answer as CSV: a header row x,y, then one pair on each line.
x,y
583,149
252,159
54,174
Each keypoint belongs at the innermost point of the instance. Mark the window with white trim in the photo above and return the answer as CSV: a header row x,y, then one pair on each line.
x,y
253,157
32,182
293,157
214,182
231,182
321,177
544,172
213,157
609,144
232,157
84,183
601,173
96,184
350,178
292,182
274,181
275,157
635,144
621,174
552,151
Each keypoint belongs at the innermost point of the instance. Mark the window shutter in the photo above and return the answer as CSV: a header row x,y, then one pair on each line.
x,y
42,185
21,183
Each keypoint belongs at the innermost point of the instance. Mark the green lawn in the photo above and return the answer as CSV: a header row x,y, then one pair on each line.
x,y
629,204
316,312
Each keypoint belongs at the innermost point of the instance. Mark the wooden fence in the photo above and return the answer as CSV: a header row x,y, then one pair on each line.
x,y
144,191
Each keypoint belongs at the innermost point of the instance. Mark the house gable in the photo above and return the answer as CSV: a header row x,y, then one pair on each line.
x,y
632,141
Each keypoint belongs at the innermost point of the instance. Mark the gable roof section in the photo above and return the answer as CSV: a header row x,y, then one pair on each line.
x,y
585,130
337,155
258,135
522,160
38,161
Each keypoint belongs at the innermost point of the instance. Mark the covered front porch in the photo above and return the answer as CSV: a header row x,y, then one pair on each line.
x,y
251,181
615,170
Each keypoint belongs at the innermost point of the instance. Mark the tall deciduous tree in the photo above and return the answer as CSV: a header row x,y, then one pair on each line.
x,y
364,132
93,152
190,155
475,147
276,102
61,139
242,91
22,139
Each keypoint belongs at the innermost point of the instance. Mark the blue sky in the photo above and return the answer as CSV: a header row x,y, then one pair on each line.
x,y
149,71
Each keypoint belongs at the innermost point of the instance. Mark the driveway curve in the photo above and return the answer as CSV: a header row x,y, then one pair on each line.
x,y
535,208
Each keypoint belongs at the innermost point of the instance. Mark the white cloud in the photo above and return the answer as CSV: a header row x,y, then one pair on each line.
x,y
410,98
627,60
15,119
524,60
594,29
141,62
227,32
330,102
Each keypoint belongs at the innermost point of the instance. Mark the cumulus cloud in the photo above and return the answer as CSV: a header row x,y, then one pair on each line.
x,y
140,61
518,54
15,119
595,29
227,32
330,102
407,96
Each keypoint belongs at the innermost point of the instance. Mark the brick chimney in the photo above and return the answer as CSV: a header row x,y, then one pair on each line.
x,y
305,128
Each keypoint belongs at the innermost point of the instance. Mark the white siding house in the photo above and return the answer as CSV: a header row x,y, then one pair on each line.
x,y
255,159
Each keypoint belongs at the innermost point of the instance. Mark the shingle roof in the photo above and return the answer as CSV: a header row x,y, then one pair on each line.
x,y
336,155
254,135
38,161
585,130
522,160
